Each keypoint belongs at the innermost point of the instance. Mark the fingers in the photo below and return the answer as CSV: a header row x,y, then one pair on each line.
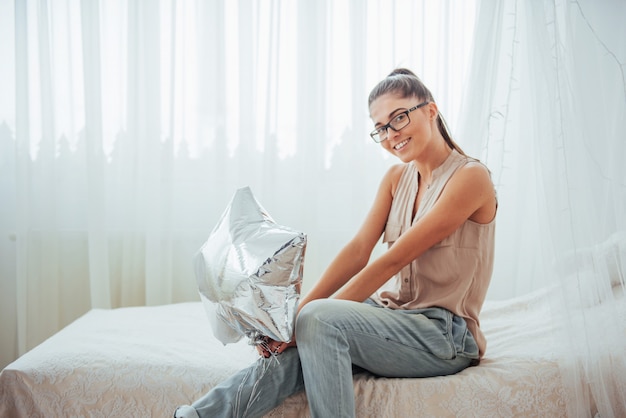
x,y
280,347
275,347
264,347
270,347
262,351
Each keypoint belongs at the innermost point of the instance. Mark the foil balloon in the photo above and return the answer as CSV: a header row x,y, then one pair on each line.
x,y
249,273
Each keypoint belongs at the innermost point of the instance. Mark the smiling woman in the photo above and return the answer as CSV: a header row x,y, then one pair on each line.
x,y
433,278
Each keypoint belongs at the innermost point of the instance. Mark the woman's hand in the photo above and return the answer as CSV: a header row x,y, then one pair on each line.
x,y
269,346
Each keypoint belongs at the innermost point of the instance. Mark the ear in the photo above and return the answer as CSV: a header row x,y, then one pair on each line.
x,y
433,111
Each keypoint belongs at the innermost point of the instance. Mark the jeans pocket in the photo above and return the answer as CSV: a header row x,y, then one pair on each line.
x,y
436,332
464,341
448,336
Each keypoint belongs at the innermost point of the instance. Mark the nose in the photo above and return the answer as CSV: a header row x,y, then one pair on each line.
x,y
392,134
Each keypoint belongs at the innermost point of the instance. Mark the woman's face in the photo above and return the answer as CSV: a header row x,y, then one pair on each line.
x,y
411,141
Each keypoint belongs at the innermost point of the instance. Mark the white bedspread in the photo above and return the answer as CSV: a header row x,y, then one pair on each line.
x,y
144,361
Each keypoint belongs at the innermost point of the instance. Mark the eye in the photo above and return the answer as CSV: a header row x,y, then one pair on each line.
x,y
400,118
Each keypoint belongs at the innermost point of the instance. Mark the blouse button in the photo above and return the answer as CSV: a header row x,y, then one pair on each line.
x,y
406,280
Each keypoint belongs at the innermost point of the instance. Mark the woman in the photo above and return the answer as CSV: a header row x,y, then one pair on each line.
x,y
413,312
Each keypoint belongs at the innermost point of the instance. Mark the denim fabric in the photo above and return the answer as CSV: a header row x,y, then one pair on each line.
x,y
336,337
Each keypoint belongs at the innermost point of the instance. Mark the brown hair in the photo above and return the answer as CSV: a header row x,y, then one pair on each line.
x,y
405,83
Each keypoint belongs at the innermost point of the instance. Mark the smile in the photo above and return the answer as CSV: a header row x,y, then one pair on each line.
x,y
401,145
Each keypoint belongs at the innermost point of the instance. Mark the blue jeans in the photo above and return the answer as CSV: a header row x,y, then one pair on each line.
x,y
336,337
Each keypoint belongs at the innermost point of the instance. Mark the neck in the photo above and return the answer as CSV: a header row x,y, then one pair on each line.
x,y
434,158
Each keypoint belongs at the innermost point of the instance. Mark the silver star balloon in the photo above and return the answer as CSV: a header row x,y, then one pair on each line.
x,y
249,273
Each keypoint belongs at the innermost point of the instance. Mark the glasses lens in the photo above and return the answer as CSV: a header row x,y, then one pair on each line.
x,y
379,135
400,121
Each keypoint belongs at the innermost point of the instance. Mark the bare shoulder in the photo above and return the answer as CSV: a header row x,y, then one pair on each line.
x,y
392,177
475,165
475,173
472,187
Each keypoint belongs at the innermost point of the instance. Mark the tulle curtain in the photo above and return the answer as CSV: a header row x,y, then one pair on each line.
x,y
545,107
127,126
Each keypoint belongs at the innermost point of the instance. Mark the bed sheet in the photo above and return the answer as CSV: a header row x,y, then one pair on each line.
x,y
144,361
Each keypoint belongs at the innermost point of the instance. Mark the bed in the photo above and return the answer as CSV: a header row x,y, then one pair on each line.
x,y
144,361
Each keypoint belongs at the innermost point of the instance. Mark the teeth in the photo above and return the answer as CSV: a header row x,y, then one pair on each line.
x,y
401,144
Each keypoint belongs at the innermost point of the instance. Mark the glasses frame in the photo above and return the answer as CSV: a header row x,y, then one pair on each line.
x,y
385,128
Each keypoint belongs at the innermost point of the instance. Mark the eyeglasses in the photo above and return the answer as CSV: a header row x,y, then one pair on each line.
x,y
401,120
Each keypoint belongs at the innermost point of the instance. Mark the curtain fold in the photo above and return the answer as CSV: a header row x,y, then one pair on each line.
x,y
546,109
93,137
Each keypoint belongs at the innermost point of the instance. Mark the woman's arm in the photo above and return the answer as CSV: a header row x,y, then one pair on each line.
x,y
469,194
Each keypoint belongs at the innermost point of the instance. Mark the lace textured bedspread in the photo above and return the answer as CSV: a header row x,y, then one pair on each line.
x,y
144,361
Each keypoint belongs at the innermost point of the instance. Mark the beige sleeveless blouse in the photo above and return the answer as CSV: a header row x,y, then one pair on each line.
x,y
453,274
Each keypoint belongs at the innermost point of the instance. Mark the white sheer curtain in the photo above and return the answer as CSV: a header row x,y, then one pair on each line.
x,y
126,127
546,109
